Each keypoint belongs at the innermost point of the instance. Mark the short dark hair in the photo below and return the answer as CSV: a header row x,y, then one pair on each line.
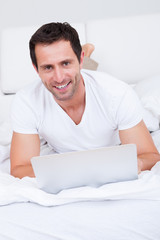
x,y
53,32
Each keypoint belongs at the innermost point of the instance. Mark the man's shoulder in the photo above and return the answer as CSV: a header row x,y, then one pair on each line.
x,y
32,90
95,74
104,81
33,86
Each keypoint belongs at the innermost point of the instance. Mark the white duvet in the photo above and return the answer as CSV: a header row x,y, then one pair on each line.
x,y
13,190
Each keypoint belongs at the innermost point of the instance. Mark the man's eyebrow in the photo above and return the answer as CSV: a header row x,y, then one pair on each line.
x,y
45,65
67,60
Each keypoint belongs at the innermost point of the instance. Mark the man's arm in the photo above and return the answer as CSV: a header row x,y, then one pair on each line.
x,y
146,150
23,148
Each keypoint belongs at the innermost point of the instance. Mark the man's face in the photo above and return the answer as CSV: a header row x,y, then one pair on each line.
x,y
59,68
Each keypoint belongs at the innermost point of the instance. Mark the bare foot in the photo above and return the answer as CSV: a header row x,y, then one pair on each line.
x,y
88,48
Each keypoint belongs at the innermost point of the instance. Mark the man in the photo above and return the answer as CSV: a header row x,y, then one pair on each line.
x,y
71,109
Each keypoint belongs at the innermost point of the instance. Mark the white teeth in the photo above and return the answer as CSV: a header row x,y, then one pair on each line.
x,y
62,86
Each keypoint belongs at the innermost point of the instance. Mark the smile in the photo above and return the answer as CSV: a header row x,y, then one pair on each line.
x,y
62,86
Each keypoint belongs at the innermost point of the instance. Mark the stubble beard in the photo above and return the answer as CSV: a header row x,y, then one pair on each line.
x,y
66,96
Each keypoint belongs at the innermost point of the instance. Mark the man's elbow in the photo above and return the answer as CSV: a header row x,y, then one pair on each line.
x,y
22,171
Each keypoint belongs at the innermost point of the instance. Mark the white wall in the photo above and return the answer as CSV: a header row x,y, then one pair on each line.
x,y
14,13
38,12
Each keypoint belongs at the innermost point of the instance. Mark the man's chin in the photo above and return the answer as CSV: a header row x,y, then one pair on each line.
x,y
62,97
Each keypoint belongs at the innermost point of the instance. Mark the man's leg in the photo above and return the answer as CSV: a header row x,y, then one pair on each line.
x,y
89,63
88,48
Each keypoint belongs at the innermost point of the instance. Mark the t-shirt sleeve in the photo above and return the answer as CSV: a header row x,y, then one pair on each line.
x,y
23,116
129,111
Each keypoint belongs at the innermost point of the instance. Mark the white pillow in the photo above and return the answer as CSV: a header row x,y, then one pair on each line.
x,y
5,140
148,91
148,87
150,120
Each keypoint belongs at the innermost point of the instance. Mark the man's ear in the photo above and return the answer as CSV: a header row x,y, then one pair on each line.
x,y
35,68
81,59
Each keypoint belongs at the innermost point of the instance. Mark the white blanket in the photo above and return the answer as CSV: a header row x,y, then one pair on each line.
x,y
13,190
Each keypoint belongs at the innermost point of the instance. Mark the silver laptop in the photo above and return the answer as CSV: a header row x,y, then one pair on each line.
x,y
94,168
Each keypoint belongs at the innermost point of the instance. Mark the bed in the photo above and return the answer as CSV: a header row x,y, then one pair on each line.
x,y
129,49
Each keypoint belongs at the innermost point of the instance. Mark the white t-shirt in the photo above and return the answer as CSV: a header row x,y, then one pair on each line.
x,y
111,105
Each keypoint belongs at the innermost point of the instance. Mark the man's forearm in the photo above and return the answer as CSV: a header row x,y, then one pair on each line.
x,y
23,171
147,160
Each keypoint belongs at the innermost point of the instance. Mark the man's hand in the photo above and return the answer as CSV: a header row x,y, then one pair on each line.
x,y
140,165
146,151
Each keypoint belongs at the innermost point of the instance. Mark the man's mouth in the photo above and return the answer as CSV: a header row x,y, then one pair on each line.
x,y
62,86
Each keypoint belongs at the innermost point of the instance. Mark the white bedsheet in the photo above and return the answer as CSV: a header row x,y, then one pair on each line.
x,y
100,220
82,213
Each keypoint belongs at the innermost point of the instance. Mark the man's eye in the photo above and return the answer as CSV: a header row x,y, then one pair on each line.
x,y
48,67
66,63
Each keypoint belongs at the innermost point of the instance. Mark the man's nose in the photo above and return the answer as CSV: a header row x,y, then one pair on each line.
x,y
58,75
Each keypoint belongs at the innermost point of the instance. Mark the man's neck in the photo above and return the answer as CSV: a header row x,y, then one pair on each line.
x,y
75,106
